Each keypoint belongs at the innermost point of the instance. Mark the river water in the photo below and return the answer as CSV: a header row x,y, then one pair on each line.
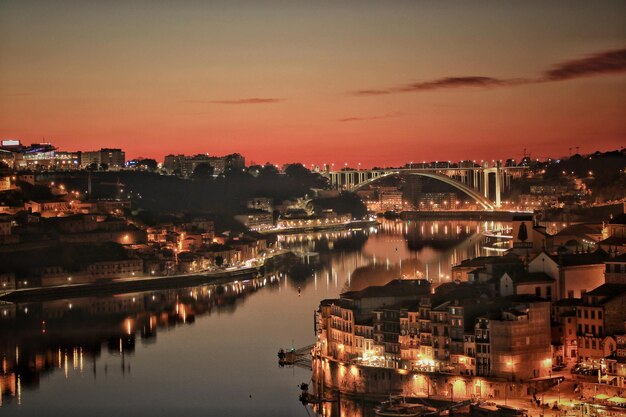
x,y
208,350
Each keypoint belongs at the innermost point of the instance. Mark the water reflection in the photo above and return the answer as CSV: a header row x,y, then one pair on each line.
x,y
185,348
412,249
68,335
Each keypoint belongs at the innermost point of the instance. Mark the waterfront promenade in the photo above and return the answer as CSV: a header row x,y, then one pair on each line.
x,y
132,284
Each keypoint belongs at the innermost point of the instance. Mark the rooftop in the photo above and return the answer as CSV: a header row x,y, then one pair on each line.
x,y
581,229
396,287
607,290
579,259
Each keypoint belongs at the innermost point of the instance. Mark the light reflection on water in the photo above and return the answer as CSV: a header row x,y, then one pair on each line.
x,y
208,350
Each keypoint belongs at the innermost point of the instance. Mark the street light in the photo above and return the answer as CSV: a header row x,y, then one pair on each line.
x,y
506,385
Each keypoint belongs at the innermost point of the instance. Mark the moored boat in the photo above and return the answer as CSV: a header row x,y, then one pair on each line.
x,y
494,410
399,407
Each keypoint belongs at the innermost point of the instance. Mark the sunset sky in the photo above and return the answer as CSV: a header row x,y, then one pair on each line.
x,y
380,82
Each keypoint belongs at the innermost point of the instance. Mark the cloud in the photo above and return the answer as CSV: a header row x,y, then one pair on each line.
x,y
608,62
363,119
251,100
447,82
603,63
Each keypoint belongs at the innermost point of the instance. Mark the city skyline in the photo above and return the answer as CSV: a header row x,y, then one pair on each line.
x,y
299,82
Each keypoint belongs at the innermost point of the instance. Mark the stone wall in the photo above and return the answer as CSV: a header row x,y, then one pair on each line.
x,y
373,382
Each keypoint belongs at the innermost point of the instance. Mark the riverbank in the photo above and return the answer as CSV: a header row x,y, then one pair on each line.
x,y
124,286
336,226
460,215
139,284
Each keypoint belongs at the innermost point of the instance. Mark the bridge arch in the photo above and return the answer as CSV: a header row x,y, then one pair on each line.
x,y
478,197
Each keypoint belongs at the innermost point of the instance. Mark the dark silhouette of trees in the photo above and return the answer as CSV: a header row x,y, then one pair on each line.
x,y
203,171
149,164
345,203
268,170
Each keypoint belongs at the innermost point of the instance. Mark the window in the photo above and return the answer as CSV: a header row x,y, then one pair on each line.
x,y
538,291
586,314
600,315
593,314
579,314
549,292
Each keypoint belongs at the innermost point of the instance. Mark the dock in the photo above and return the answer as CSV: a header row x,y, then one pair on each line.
x,y
296,357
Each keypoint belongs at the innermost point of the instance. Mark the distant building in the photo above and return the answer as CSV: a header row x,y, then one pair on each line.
x,y
187,164
6,182
485,268
615,232
518,340
173,163
116,269
390,198
615,269
47,208
412,189
437,201
574,274
538,284
616,364
566,322
88,158
412,329
44,156
578,237
599,318
529,238
260,203
256,221
114,158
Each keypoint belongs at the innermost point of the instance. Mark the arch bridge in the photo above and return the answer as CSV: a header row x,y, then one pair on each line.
x,y
472,181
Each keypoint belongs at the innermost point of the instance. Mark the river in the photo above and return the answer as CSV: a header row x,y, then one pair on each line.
x,y
208,350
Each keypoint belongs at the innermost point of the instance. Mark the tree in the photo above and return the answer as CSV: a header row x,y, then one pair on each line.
x,y
203,171
268,170
297,171
522,234
149,164
345,203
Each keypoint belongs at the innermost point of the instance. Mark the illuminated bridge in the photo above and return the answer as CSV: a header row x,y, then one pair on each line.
x,y
472,181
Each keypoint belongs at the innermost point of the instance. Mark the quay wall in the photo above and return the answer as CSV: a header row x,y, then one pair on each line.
x,y
378,383
458,215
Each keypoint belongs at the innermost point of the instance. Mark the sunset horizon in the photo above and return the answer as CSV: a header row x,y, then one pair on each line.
x,y
411,80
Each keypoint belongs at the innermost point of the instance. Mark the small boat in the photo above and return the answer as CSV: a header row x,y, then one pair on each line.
x,y
492,409
399,407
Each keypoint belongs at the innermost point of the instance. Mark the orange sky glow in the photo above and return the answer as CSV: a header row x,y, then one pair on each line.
x,y
376,83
